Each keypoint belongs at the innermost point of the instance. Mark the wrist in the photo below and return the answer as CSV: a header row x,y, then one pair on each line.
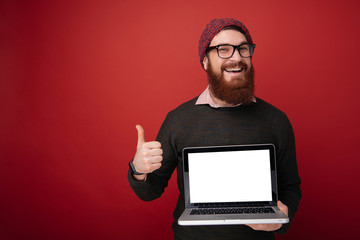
x,y
133,169
140,178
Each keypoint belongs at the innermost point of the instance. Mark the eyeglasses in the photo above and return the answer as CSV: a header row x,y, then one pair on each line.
x,y
225,51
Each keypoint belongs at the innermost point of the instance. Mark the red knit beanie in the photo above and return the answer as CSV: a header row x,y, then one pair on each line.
x,y
215,26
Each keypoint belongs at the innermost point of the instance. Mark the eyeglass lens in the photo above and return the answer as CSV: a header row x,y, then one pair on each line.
x,y
226,51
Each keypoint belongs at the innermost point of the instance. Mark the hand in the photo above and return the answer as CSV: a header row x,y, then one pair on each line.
x,y
271,227
148,155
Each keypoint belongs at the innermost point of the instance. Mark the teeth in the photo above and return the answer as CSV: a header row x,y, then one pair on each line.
x,y
234,69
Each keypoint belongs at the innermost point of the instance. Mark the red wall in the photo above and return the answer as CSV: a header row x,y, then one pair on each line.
x,y
77,76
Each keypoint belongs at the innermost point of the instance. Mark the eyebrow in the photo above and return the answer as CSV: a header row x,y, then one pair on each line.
x,y
243,42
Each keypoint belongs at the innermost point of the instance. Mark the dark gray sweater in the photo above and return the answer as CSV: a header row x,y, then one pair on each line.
x,y
192,125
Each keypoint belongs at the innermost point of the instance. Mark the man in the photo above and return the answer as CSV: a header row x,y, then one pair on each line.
x,y
226,113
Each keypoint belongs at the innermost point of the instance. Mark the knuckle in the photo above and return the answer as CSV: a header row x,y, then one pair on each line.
x,y
158,165
148,169
147,160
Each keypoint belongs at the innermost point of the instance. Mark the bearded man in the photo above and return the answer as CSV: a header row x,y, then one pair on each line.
x,y
226,113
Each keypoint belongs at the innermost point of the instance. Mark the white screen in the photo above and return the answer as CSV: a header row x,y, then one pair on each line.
x,y
233,176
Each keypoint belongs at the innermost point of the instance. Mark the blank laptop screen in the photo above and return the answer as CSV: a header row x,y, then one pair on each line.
x,y
232,176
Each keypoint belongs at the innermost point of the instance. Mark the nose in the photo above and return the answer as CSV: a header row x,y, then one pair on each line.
x,y
236,56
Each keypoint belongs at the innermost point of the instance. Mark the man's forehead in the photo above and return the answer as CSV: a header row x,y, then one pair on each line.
x,y
228,36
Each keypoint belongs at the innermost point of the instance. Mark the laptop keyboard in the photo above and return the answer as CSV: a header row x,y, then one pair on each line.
x,y
209,211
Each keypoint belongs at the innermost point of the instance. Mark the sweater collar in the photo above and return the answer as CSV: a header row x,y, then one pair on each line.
x,y
205,98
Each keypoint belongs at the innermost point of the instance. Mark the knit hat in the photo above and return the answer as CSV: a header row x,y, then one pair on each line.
x,y
213,28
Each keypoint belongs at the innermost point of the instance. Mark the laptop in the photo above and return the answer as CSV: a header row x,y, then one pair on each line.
x,y
227,185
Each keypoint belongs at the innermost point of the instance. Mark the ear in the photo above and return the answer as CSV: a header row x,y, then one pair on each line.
x,y
205,63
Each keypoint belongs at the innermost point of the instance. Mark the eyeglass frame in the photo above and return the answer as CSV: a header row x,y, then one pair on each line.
x,y
251,49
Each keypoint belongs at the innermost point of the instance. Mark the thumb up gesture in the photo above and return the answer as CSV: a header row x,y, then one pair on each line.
x,y
148,155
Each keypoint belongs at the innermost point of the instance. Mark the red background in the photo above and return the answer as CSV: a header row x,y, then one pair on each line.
x,y
77,76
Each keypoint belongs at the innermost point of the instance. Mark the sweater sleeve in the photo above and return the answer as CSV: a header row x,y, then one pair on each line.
x,y
157,181
288,179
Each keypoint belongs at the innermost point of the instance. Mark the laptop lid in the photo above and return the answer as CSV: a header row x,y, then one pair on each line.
x,y
240,175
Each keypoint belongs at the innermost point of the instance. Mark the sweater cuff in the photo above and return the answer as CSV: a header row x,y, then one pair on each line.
x,y
134,182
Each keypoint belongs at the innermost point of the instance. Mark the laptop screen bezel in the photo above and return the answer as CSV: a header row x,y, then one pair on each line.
x,y
189,150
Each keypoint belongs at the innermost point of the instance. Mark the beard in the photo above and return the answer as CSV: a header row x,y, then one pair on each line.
x,y
239,91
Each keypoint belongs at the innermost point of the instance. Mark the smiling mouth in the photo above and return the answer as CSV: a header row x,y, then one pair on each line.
x,y
236,70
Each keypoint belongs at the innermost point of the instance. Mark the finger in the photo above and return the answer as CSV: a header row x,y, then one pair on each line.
x,y
156,166
141,134
152,159
156,160
254,226
264,227
283,207
152,145
156,152
152,167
